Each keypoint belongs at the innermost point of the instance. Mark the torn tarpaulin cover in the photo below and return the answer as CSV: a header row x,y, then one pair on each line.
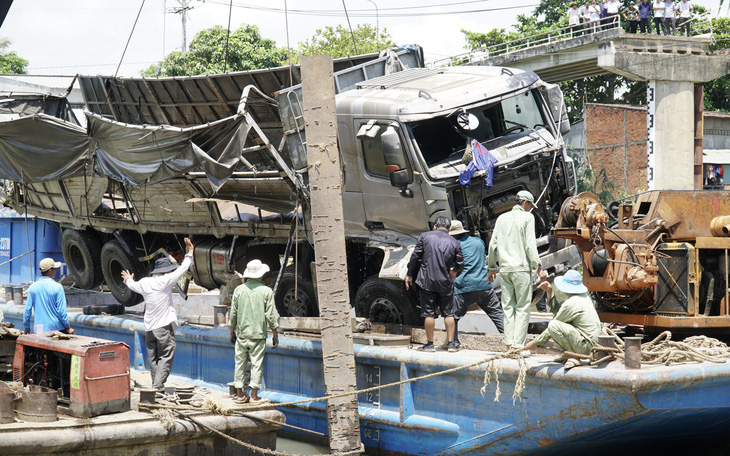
x,y
481,160
137,154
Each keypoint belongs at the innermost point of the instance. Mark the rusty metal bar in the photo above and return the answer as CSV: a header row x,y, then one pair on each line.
x,y
698,114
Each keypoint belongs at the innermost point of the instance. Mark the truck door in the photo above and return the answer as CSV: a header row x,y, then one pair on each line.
x,y
392,204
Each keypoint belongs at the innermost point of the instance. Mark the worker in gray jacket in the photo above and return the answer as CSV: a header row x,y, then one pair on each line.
x,y
576,325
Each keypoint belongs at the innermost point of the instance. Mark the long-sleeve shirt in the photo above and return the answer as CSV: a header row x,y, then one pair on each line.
x,y
435,254
513,242
579,312
252,309
645,10
46,296
685,9
474,275
574,15
669,10
157,293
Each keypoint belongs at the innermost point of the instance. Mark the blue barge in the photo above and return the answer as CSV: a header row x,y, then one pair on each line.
x,y
559,412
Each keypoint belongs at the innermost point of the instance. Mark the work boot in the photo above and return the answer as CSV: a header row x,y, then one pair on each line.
x,y
429,347
452,347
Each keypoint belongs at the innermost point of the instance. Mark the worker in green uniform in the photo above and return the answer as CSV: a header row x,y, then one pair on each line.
x,y
252,309
576,325
514,246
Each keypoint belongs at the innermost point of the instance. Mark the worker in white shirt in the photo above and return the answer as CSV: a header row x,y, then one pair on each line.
x,y
684,8
160,317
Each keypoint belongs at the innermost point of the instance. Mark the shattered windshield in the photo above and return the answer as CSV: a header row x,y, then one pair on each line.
x,y
441,138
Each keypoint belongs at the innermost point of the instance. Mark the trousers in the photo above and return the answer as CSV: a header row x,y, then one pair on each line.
x,y
568,338
249,350
516,297
160,344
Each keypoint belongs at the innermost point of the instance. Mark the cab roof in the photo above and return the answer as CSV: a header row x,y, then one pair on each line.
x,y
420,93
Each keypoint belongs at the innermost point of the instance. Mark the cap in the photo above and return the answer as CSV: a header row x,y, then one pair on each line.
x,y
49,263
255,269
571,283
524,195
457,228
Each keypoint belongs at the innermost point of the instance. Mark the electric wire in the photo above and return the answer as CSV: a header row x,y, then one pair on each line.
x,y
128,40
354,43
228,34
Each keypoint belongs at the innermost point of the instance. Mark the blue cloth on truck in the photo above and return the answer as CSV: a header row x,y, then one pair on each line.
x,y
481,160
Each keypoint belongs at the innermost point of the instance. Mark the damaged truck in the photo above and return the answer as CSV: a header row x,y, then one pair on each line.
x,y
222,158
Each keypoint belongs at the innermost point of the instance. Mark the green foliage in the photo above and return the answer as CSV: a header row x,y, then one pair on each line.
x,y
247,50
337,42
10,61
588,180
716,92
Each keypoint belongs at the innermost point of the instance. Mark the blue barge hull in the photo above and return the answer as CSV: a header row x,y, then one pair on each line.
x,y
559,412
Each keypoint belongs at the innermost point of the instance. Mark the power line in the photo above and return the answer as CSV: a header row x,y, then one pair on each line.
x,y
366,13
129,39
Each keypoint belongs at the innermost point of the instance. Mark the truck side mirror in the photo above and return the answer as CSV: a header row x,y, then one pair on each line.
x,y
556,102
400,179
368,131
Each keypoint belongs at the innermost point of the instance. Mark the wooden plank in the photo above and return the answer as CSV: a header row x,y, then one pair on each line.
x,y
328,228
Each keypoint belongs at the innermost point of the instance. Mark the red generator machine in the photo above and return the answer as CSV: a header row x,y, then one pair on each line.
x,y
91,375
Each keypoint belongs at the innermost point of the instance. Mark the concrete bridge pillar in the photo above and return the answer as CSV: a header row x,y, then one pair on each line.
x,y
671,66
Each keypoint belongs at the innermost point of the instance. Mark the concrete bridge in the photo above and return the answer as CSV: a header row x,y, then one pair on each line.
x,y
671,65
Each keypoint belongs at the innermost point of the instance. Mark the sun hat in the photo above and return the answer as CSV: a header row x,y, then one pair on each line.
x,y
49,263
524,195
163,265
457,228
571,283
255,269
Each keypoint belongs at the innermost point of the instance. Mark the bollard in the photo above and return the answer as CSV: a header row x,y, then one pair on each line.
x,y
232,389
147,395
632,358
18,296
605,341
8,295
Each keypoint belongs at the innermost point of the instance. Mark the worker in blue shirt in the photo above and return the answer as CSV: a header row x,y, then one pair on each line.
x,y
472,286
46,296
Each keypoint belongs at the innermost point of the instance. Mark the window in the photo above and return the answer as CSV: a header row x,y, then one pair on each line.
x,y
384,152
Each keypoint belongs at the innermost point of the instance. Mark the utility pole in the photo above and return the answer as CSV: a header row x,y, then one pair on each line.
x,y
182,10
328,228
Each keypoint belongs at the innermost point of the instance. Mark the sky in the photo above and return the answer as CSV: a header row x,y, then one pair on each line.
x,y
89,36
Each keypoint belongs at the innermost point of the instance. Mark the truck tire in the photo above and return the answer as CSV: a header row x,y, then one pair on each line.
x,y
81,252
114,260
305,302
109,309
386,301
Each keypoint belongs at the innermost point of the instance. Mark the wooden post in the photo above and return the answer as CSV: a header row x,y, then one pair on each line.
x,y
328,228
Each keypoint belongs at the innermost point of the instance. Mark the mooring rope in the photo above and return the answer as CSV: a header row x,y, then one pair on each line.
x,y
661,350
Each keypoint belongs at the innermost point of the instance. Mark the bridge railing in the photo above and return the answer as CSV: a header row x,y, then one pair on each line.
x,y
700,25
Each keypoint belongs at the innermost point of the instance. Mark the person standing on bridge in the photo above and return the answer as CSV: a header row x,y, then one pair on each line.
x,y
645,16
574,19
437,260
595,13
585,16
631,15
684,8
513,244
658,8
160,317
670,24
612,7
472,285
603,14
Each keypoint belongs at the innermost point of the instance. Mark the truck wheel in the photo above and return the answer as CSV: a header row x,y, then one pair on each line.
x,y
385,301
81,252
301,304
109,309
114,260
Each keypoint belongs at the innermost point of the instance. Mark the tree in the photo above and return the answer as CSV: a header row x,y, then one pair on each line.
x,y
10,61
247,50
716,92
337,42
